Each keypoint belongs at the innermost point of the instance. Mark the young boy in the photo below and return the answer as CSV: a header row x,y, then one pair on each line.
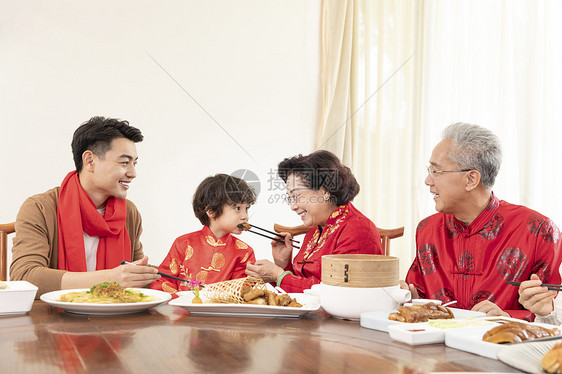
x,y
212,254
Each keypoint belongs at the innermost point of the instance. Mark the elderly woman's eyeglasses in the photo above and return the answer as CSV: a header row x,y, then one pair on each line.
x,y
292,198
433,172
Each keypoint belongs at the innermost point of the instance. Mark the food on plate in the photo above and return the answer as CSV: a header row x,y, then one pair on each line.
x,y
456,323
552,360
421,313
106,293
516,332
247,290
3,286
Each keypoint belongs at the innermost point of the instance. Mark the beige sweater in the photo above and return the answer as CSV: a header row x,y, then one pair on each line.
x,y
35,250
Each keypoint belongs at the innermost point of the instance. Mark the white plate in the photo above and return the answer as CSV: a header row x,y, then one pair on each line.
x,y
469,339
309,304
105,309
526,356
379,320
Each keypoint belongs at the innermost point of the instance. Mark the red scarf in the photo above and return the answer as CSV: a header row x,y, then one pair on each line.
x,y
76,214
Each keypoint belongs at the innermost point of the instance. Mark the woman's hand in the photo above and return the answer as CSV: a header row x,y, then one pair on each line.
x,y
536,298
282,252
265,270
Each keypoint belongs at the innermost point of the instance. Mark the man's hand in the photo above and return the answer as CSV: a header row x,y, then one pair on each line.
x,y
265,270
489,308
411,287
137,275
536,298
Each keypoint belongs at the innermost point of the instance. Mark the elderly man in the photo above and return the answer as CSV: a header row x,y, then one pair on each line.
x,y
76,236
476,242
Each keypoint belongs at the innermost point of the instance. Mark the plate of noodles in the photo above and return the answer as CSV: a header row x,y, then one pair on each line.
x,y
106,299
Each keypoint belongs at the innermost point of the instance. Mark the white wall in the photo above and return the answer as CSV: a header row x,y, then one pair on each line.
x,y
250,67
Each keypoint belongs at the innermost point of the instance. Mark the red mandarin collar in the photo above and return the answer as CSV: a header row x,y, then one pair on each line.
x,y
207,231
478,224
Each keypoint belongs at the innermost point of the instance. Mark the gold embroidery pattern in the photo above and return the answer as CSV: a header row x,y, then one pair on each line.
x,y
241,245
168,287
175,266
202,276
213,242
315,244
246,256
188,252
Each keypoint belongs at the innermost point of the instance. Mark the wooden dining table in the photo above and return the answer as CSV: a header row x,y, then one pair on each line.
x,y
168,339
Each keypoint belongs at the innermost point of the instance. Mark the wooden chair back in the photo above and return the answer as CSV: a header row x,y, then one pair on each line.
x,y
386,234
5,229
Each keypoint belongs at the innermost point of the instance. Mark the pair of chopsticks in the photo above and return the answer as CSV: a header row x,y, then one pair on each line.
x,y
553,287
276,235
162,274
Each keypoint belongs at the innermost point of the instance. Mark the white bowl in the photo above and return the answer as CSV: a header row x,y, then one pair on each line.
x,y
350,302
17,297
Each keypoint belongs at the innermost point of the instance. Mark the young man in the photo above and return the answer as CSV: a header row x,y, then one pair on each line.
x,y
476,242
76,235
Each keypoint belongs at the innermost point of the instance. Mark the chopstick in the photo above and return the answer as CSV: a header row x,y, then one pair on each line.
x,y
269,237
553,287
271,232
162,274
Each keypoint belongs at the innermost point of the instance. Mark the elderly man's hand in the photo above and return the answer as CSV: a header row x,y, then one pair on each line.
x,y
411,287
536,298
489,308
265,270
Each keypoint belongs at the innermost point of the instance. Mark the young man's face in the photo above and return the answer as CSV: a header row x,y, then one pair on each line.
x,y
107,176
228,221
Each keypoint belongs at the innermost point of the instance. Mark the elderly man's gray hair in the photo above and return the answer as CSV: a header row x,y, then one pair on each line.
x,y
475,147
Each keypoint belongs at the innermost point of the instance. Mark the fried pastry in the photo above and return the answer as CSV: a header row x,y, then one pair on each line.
x,y
552,360
421,313
516,332
247,290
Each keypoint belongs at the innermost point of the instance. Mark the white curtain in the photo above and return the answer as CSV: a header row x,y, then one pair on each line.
x,y
396,72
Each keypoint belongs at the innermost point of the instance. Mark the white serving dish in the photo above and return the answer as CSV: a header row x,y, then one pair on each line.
x,y
17,298
470,339
416,333
350,302
378,320
52,298
309,304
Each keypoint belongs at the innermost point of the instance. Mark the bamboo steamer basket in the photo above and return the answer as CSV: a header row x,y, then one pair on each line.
x,y
359,270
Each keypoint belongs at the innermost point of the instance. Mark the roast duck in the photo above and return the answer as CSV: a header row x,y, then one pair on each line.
x,y
516,332
421,313
552,360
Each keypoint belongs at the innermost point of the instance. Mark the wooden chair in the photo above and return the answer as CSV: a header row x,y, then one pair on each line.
x,y
386,234
5,229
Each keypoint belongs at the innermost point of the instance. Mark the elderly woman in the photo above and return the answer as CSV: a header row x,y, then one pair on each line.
x,y
320,189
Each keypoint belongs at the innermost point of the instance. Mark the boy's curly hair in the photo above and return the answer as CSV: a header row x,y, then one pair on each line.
x,y
216,191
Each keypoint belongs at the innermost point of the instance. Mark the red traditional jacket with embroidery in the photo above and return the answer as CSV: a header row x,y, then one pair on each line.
x,y
346,231
199,256
506,242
